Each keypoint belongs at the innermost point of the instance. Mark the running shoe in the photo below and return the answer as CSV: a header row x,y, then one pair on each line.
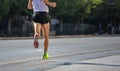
x,y
45,56
36,43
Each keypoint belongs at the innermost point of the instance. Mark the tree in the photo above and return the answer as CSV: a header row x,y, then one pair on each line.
x,y
10,9
74,11
107,12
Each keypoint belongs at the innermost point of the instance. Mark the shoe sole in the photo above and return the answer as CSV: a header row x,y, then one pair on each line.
x,y
36,44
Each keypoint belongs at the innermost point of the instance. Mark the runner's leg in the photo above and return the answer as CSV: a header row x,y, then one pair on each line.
x,y
45,31
37,28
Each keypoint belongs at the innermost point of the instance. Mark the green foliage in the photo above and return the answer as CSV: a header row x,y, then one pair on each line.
x,y
107,12
12,8
70,11
65,8
74,8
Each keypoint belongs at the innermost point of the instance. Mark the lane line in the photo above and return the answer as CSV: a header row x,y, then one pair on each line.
x,y
37,58
19,61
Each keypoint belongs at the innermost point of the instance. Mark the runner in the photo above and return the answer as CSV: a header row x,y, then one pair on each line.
x,y
41,21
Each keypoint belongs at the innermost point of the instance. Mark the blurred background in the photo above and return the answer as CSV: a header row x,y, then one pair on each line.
x,y
70,17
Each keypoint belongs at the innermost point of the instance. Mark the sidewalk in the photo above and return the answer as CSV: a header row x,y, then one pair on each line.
x,y
62,36
111,63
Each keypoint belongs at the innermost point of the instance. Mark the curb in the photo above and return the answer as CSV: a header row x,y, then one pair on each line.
x,y
57,37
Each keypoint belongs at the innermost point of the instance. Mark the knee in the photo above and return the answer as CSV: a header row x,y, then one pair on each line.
x,y
46,37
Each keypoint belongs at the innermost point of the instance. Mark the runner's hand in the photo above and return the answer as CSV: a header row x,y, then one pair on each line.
x,y
53,4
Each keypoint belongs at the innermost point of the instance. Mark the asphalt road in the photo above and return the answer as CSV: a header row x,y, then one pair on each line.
x,y
20,55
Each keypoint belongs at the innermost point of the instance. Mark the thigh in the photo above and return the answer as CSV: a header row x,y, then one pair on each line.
x,y
45,29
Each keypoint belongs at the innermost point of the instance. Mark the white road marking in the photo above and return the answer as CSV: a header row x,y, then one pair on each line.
x,y
19,61
37,58
38,50
30,59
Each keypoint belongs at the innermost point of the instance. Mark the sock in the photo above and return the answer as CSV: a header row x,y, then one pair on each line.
x,y
45,53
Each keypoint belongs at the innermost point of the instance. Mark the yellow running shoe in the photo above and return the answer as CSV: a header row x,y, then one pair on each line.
x,y
45,56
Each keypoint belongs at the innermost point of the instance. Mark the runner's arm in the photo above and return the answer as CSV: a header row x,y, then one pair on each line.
x,y
52,4
30,4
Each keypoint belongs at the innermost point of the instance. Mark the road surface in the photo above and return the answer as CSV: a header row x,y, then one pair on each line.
x,y
20,55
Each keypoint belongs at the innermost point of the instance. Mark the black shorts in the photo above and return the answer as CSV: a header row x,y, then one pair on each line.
x,y
41,17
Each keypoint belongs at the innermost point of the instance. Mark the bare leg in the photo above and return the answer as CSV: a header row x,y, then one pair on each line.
x,y
45,30
37,29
